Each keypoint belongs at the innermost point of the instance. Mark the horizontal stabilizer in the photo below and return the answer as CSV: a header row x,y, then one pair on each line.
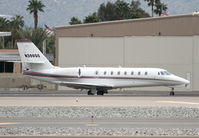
x,y
34,62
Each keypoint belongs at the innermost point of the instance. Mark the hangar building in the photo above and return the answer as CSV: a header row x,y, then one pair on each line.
x,y
170,42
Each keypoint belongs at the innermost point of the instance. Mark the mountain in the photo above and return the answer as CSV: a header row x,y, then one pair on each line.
x,y
59,12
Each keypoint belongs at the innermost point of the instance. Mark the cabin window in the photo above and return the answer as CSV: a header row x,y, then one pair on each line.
x,y
105,72
132,73
125,73
139,73
146,73
111,72
158,73
118,73
96,72
162,73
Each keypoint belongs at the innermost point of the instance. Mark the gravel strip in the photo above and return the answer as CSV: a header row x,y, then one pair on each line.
x,y
131,112
134,112
93,131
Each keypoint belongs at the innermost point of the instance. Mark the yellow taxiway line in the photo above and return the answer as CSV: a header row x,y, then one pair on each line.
x,y
101,123
8,123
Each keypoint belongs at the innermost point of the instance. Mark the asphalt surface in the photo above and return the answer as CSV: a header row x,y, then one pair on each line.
x,y
98,137
110,123
78,98
100,101
72,93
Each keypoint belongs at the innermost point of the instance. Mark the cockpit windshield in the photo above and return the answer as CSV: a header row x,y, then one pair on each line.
x,y
164,73
167,73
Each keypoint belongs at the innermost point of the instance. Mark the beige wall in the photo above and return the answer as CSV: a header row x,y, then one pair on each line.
x,y
180,25
90,51
171,53
178,54
195,74
17,68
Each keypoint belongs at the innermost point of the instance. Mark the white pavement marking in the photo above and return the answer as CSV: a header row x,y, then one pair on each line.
x,y
175,102
93,125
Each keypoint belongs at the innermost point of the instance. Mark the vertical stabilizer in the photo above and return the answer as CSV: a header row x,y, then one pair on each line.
x,y
31,56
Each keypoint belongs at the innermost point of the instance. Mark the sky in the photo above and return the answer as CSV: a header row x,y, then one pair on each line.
x,y
59,12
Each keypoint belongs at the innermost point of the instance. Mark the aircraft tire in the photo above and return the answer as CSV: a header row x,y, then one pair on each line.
x,y
100,92
90,93
172,93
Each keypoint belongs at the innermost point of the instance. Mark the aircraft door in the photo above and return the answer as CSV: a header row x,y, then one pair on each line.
x,y
79,72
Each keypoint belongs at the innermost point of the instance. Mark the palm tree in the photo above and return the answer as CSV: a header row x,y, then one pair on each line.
x,y
92,18
160,7
33,7
136,11
75,20
16,24
107,12
4,24
122,9
152,4
37,36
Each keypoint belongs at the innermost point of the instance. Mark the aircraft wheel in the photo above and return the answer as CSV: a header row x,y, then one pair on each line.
x,y
25,87
90,93
100,92
105,91
172,93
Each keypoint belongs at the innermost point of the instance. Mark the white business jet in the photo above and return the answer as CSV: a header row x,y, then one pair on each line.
x,y
96,80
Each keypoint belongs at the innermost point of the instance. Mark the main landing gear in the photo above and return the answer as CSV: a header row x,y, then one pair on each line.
x,y
98,92
90,93
172,92
101,92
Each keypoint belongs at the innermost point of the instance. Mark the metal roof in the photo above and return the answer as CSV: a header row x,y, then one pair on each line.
x,y
5,33
9,57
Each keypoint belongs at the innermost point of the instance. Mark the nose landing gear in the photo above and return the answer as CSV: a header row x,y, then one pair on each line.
x,y
172,92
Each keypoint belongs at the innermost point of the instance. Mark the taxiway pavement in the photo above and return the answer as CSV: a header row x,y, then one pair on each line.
x,y
73,93
105,123
100,101
96,137
117,104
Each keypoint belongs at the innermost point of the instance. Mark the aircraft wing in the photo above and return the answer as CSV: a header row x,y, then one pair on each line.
x,y
79,85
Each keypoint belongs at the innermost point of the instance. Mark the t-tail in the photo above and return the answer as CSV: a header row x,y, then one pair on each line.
x,y
31,57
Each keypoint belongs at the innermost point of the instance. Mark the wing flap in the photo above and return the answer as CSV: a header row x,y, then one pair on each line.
x,y
80,85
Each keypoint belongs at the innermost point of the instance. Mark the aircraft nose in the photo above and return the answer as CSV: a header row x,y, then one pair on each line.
x,y
187,82
184,81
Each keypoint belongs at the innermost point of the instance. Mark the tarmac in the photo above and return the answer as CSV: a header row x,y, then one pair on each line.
x,y
22,103
95,137
100,101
